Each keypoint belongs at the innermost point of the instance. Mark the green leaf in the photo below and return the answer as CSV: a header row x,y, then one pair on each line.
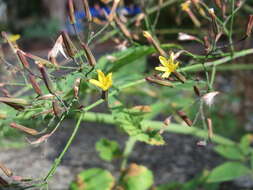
x,y
245,144
228,171
137,177
229,152
131,123
108,150
93,179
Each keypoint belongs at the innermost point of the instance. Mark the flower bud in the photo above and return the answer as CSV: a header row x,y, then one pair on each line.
x,y
24,129
249,25
185,118
71,12
91,59
35,85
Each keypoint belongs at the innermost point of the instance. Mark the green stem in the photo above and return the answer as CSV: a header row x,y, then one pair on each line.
x,y
173,128
230,34
59,159
127,151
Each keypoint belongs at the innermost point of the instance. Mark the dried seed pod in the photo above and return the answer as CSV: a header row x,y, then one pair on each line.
x,y
23,59
87,10
196,90
24,129
46,79
5,92
158,81
142,108
17,101
249,25
42,113
210,128
218,3
185,118
76,87
153,42
40,140
35,85
46,97
6,170
57,109
3,183
70,48
71,12
201,143
91,59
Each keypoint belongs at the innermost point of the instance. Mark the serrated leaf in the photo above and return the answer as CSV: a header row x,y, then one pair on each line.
x,y
108,150
137,177
93,179
229,152
228,171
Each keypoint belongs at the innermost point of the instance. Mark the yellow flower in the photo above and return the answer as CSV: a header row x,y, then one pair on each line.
x,y
13,38
185,6
169,65
104,82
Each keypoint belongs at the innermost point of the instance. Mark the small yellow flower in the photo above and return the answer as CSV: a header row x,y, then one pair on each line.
x,y
169,65
13,38
185,6
104,82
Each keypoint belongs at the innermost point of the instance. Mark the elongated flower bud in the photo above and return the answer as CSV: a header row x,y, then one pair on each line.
x,y
23,59
71,12
185,118
46,79
87,10
158,81
122,28
71,49
76,87
249,25
35,85
24,129
153,42
91,59
196,90
210,128
57,109
6,170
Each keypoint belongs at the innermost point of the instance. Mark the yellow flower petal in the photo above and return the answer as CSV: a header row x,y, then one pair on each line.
x,y
101,76
164,69
163,61
96,83
14,38
166,75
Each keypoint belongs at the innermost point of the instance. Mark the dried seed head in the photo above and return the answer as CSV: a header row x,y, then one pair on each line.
x,y
249,25
71,12
46,78
23,59
6,170
210,128
209,97
91,59
70,48
185,118
87,10
24,129
35,85
158,81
